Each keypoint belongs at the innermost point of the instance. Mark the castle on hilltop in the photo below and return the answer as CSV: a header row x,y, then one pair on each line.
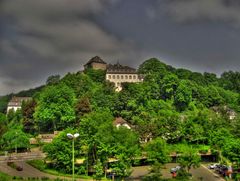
x,y
116,73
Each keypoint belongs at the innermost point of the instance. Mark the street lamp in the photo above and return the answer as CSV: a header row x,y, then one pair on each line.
x,y
16,142
72,137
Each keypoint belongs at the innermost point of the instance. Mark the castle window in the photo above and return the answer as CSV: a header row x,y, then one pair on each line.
x,y
113,76
126,77
130,77
134,77
117,76
109,76
121,76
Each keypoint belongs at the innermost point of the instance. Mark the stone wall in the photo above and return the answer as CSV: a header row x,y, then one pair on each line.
x,y
99,66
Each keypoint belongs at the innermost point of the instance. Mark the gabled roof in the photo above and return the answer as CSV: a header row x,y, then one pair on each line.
x,y
95,59
118,68
119,121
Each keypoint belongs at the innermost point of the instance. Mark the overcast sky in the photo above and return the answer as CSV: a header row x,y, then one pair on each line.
x,y
39,38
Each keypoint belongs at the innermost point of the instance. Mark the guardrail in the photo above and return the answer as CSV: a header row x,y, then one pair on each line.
x,y
21,157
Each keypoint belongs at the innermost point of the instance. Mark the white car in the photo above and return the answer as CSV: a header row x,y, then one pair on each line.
x,y
175,169
213,165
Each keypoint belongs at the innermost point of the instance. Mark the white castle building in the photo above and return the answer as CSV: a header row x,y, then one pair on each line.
x,y
116,73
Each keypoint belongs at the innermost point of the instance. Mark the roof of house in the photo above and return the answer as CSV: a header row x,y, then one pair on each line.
x,y
17,101
119,120
118,68
95,59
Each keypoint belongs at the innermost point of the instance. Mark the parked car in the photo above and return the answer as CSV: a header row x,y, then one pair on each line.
x,y
175,169
213,165
217,167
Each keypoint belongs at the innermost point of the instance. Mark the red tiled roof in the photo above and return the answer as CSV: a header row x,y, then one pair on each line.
x,y
119,120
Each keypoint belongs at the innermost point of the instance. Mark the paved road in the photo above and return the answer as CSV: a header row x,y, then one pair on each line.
x,y
200,173
206,174
28,171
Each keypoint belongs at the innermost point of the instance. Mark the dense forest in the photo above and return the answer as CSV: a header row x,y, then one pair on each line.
x,y
171,111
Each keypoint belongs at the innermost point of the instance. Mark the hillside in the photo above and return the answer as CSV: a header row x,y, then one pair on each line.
x,y
170,108
26,93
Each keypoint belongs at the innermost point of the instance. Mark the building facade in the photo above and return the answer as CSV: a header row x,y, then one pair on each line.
x,y
16,103
119,74
96,63
116,73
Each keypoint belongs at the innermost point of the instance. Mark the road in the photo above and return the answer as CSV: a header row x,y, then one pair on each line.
x,y
206,174
29,171
200,173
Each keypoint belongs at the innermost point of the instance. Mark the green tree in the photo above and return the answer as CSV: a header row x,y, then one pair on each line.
x,y
193,133
213,97
151,66
3,124
53,79
188,159
98,170
15,138
210,78
157,151
183,95
28,109
169,86
183,73
96,75
120,144
56,106
231,150
82,107
60,151
230,80
125,146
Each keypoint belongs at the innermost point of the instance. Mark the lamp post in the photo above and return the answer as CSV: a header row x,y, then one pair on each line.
x,y
16,143
72,137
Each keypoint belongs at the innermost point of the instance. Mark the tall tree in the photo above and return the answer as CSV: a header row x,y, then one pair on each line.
x,y
183,95
53,79
28,121
157,151
56,105
82,107
190,158
169,86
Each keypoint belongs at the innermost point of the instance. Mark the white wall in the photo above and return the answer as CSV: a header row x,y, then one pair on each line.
x,y
117,79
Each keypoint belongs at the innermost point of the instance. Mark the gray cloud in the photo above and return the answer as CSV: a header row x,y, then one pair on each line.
x,y
39,38
52,36
202,10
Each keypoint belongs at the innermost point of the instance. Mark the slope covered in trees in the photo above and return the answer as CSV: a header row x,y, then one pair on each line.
x,y
172,106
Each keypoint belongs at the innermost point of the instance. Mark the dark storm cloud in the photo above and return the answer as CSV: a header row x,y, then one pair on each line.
x,y
202,10
39,38
46,37
202,35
